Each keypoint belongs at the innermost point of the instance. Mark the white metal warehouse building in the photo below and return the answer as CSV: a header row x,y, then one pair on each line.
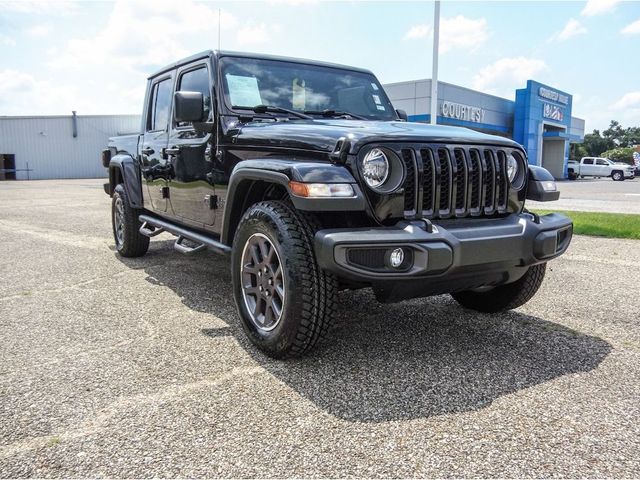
x,y
67,146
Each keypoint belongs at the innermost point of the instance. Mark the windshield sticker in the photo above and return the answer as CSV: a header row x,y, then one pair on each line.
x,y
244,91
299,100
380,107
376,99
374,86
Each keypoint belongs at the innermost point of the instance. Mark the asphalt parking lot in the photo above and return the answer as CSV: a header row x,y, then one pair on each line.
x,y
139,368
597,195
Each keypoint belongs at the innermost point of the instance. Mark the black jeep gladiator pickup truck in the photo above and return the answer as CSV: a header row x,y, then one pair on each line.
x,y
305,175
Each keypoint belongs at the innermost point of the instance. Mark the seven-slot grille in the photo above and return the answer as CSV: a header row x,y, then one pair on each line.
x,y
452,181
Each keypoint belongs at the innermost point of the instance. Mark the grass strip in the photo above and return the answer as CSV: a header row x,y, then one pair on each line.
x,y
601,224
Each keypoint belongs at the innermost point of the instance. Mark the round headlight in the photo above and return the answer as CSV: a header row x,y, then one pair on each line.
x,y
512,168
375,168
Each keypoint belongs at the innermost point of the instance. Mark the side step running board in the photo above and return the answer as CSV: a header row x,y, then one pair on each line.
x,y
182,248
182,234
146,230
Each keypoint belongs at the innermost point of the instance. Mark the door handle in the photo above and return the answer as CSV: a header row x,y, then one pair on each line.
x,y
172,151
148,151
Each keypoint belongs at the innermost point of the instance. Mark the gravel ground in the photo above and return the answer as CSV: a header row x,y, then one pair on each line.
x,y
138,368
596,195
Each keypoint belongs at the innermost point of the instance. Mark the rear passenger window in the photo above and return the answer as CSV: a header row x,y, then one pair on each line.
x,y
196,81
160,104
588,161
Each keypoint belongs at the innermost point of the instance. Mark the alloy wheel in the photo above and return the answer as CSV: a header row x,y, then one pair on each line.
x,y
263,288
118,220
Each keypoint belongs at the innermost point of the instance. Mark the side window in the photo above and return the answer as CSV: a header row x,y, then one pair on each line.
x,y
158,118
196,81
601,162
588,161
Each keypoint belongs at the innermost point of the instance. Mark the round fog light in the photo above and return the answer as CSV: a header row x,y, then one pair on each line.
x,y
396,258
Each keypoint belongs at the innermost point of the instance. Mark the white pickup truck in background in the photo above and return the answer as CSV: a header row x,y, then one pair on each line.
x,y
599,167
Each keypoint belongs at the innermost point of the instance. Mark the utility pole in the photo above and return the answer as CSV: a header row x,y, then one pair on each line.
x,y
434,69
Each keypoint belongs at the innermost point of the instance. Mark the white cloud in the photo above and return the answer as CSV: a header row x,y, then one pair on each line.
x,y
417,32
7,41
18,90
628,100
632,28
41,7
13,81
462,32
455,32
571,29
598,7
38,31
292,3
505,75
145,34
252,34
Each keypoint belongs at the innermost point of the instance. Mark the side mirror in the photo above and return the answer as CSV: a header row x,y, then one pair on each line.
x,y
402,115
189,107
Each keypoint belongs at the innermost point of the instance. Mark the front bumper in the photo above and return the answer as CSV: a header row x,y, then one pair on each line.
x,y
455,255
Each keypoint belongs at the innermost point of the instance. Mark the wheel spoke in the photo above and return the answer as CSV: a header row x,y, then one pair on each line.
x,y
252,291
268,314
276,308
272,255
264,249
258,308
254,255
280,291
250,269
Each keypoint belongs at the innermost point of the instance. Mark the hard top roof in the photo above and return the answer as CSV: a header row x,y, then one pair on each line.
x,y
224,53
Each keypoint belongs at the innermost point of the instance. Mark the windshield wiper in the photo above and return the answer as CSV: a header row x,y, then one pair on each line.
x,y
272,109
335,113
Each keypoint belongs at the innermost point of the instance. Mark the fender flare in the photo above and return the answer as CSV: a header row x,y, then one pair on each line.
x,y
123,169
281,172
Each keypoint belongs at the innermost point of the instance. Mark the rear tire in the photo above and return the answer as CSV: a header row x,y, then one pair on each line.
x,y
126,226
285,301
504,297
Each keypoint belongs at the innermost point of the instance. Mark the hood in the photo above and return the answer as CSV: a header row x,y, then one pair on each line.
x,y
322,134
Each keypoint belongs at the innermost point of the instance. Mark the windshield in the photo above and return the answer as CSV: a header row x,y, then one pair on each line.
x,y
249,82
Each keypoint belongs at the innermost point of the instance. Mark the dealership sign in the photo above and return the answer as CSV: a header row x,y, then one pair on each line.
x,y
553,95
552,112
462,112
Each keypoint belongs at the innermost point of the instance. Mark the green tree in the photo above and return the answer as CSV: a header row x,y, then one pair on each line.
x,y
615,133
620,154
619,136
577,151
595,144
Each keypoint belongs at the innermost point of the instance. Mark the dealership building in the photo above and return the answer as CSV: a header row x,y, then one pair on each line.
x,y
68,146
539,118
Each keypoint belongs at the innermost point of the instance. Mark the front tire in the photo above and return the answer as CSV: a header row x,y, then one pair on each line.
x,y
617,176
504,297
285,301
126,226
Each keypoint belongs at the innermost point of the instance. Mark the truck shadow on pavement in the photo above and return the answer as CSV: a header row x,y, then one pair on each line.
x,y
415,359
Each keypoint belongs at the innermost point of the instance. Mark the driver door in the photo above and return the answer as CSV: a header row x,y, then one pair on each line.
x,y
191,151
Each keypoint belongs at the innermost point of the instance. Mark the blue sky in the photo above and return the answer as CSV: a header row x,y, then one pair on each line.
x,y
93,57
